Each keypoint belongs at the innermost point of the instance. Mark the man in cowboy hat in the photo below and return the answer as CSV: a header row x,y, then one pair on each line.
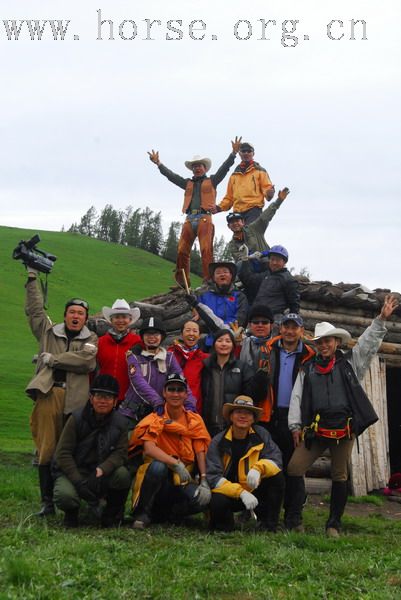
x,y
199,205
243,467
329,407
228,304
113,346
67,354
149,366
174,447
248,187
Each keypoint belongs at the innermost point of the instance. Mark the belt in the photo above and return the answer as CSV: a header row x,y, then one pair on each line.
x,y
60,384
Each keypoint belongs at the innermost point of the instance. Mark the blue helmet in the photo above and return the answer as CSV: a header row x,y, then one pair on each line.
x,y
280,250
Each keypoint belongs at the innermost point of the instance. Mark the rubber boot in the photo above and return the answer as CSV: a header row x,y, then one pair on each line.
x,y
71,518
46,491
338,500
113,513
294,500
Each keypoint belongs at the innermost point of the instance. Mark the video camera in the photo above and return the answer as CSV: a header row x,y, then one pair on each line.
x,y
31,256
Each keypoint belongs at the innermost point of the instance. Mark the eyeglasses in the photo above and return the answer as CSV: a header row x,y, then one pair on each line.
x,y
175,388
260,322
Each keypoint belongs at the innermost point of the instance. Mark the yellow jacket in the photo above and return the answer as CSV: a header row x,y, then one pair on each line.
x,y
246,190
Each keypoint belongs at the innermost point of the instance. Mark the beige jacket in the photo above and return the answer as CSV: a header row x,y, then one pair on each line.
x,y
78,361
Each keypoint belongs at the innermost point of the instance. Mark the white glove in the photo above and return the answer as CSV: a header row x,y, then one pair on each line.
x,y
182,472
46,357
256,256
249,500
203,493
253,478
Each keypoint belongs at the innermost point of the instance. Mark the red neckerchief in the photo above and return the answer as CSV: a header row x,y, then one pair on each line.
x,y
326,367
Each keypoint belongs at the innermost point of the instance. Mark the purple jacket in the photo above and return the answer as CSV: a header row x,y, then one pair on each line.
x,y
146,384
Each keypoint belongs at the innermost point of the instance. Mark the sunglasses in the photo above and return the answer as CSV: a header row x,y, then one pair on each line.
x,y
175,388
260,321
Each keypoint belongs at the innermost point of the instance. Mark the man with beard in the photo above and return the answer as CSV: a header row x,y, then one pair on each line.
x,y
67,354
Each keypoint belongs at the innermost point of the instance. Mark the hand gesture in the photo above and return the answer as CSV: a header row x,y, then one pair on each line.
x,y
237,331
154,157
389,305
282,195
236,144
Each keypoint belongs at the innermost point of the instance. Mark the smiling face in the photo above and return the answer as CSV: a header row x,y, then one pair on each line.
x,y
276,262
75,317
120,323
260,327
327,346
103,403
190,333
224,345
242,419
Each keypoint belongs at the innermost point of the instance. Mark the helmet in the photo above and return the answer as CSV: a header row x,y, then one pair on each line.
x,y
280,250
105,383
152,323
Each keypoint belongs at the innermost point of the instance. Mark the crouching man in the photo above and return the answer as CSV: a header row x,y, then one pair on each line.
x,y
91,457
244,469
174,447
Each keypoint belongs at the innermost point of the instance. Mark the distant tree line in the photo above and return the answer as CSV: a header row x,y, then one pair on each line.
x,y
140,228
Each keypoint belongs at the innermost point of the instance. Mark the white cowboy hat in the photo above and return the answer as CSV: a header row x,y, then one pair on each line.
x,y
121,307
198,159
325,329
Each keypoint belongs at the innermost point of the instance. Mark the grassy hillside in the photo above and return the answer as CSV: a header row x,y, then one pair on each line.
x,y
88,268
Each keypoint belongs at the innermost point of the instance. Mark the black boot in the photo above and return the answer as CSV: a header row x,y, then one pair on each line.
x,y
338,500
113,513
71,518
46,491
294,500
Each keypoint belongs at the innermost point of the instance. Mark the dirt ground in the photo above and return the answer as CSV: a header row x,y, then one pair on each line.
x,y
391,509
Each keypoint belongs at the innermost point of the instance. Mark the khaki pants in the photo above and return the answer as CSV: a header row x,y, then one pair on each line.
x,y
340,453
203,229
47,421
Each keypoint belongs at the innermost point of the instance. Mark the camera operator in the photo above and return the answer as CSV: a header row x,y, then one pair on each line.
x,y
67,354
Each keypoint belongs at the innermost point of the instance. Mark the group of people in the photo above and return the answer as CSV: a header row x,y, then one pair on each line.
x,y
225,419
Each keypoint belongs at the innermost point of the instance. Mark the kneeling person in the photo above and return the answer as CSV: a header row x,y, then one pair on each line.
x,y
243,467
174,445
91,457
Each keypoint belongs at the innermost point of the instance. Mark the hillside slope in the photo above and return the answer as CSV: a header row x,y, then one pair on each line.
x,y
98,271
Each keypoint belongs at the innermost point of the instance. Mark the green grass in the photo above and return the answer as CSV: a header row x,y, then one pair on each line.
x,y
39,560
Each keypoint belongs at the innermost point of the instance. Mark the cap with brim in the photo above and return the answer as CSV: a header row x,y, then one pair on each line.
x,y
241,402
176,378
293,317
229,265
234,216
325,329
121,307
246,146
199,159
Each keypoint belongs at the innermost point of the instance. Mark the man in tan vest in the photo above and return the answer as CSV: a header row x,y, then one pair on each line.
x,y
199,205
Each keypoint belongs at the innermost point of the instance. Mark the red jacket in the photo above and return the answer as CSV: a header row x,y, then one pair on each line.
x,y
111,358
192,365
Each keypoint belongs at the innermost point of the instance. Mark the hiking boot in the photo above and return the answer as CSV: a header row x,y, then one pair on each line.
x,y
332,532
71,519
142,521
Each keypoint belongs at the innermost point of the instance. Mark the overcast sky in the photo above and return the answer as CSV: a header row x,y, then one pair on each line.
x,y
79,115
